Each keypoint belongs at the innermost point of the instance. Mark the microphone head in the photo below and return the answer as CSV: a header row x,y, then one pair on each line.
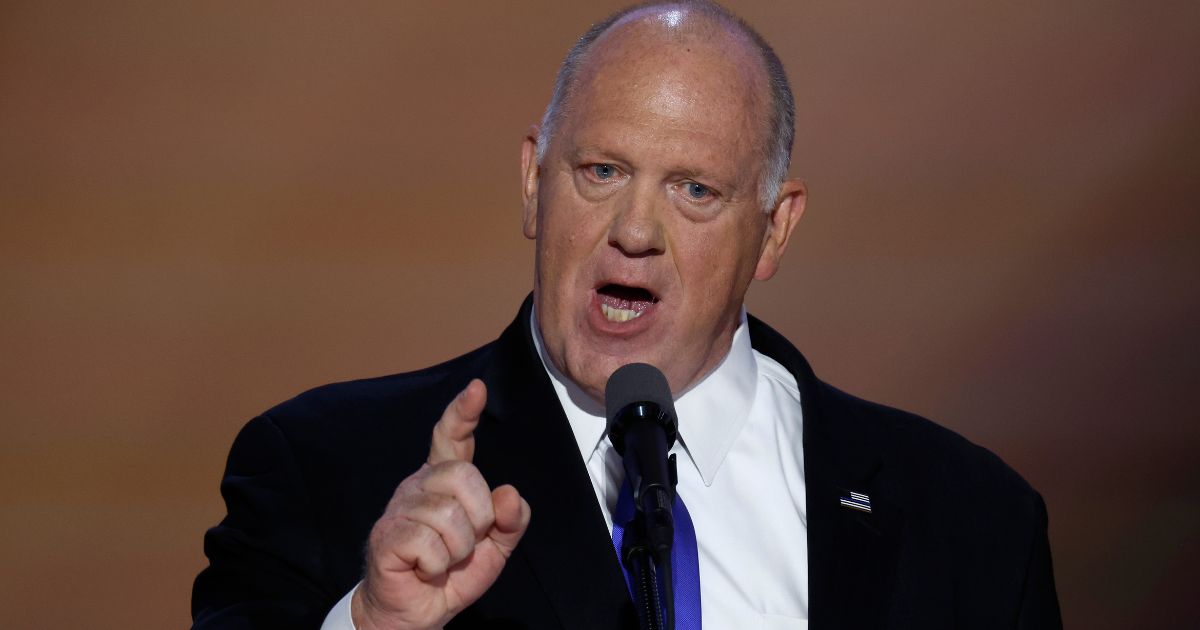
x,y
634,390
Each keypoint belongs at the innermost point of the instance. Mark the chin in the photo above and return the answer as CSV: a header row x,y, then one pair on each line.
x,y
593,375
597,370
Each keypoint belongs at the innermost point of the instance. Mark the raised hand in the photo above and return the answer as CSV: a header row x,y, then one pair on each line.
x,y
444,537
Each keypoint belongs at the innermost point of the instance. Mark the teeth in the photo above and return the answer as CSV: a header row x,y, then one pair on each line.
x,y
618,314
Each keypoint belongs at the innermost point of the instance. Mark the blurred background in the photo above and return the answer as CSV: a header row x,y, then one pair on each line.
x,y
208,207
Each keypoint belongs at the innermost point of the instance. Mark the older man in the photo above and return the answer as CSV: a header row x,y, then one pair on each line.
x,y
655,190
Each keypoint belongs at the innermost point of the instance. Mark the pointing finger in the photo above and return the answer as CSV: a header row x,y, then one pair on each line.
x,y
454,434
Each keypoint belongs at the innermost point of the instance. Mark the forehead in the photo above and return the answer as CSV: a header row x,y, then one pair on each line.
x,y
654,77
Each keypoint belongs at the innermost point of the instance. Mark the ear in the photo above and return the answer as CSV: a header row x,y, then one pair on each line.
x,y
529,182
782,220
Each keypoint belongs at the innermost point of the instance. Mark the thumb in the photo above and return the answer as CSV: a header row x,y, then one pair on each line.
x,y
512,519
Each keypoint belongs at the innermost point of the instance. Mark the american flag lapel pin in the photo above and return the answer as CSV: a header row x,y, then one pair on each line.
x,y
857,501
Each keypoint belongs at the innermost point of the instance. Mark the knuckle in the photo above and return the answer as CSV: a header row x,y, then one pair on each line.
x,y
405,490
423,537
384,532
453,511
408,538
432,548
454,473
438,505
441,429
375,540
462,472
444,513
410,484
452,412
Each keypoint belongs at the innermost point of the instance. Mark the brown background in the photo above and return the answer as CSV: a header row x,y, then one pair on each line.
x,y
208,207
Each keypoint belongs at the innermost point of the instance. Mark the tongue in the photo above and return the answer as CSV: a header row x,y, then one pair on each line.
x,y
627,298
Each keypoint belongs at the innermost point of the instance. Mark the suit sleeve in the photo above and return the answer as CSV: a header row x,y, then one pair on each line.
x,y
1039,602
265,556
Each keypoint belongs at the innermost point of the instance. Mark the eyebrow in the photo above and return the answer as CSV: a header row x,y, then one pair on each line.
x,y
578,155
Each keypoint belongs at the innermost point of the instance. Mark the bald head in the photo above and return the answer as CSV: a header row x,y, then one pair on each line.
x,y
656,33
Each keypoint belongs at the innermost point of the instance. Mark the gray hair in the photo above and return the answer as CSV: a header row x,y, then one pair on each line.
x,y
776,154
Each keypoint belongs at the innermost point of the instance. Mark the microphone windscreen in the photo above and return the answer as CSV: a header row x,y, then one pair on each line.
x,y
637,383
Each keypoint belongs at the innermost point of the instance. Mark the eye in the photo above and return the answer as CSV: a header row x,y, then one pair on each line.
x,y
597,180
603,172
697,191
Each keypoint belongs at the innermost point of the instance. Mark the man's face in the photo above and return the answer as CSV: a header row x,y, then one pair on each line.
x,y
646,208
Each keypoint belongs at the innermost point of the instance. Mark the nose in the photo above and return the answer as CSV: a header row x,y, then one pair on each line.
x,y
636,228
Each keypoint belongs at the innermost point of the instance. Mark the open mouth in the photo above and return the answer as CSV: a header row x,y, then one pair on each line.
x,y
620,303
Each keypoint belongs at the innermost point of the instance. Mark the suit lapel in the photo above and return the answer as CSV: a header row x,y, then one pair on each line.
x,y
524,439
852,554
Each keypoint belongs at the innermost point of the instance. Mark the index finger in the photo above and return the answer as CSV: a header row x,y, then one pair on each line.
x,y
454,434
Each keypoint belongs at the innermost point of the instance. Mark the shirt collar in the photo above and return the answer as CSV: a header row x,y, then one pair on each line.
x,y
711,413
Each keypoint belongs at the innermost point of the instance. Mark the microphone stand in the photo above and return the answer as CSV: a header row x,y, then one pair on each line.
x,y
646,552
642,427
639,560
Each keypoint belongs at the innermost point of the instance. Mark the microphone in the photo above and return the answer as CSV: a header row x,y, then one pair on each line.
x,y
642,427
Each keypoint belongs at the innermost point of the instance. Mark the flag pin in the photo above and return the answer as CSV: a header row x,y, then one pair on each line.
x,y
857,501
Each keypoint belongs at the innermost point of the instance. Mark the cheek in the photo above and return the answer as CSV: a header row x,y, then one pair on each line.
x,y
561,243
715,264
705,255
746,244
573,232
567,242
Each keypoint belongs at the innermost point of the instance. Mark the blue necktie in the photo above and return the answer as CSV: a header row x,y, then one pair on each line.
x,y
685,560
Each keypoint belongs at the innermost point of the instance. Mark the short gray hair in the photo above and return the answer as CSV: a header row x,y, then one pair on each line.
x,y
776,153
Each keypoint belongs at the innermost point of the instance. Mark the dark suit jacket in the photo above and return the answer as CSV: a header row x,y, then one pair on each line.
x,y
955,538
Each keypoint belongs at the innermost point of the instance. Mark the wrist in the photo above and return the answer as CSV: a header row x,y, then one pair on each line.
x,y
365,615
361,611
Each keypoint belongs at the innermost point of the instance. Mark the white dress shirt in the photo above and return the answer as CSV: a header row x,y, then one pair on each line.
x,y
741,475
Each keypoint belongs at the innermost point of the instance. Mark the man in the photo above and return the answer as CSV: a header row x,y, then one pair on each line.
x,y
483,489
